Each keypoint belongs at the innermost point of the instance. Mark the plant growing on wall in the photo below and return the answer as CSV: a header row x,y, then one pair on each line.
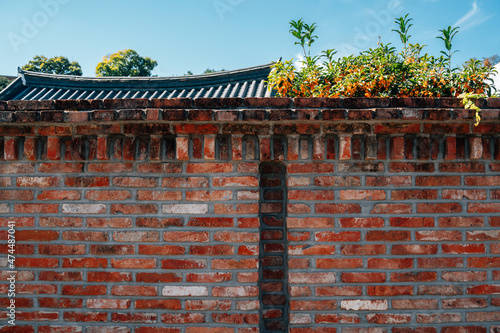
x,y
380,71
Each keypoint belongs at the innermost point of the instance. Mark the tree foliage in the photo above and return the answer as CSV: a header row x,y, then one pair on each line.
x,y
211,70
125,63
56,65
4,82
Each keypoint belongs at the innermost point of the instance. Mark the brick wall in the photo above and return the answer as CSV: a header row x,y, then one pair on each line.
x,y
248,215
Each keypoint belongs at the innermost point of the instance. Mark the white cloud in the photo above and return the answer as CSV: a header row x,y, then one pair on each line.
x,y
299,61
472,18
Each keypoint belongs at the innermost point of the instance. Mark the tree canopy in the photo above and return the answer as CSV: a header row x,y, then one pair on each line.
x,y
125,63
4,82
56,65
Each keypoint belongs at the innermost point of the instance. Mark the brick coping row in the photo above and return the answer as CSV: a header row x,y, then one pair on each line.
x,y
249,102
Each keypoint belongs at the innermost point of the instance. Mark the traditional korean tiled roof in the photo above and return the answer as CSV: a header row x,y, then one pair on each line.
x,y
32,86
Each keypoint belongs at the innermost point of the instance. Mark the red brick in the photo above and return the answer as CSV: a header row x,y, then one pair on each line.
x,y
185,236
413,249
310,168
108,277
362,195
483,235
483,208
438,236
388,236
234,264
61,167
376,263
363,277
437,208
134,290
310,195
462,167
83,290
108,195
133,263
59,249
339,263
331,236
373,222
135,182
36,208
211,250
22,195
391,209
463,248
385,318
85,316
339,291
461,222
211,222
311,250
184,263
86,181
169,304
16,168
152,222
414,194
59,195
206,196
440,262
328,208
484,289
161,249
136,236
334,181
483,262
84,262
464,276
464,303
463,329
310,222
209,168
64,276
388,181
411,222
90,236
132,318
314,278
158,277
440,290
110,167
437,181
413,277
208,277
362,250
389,290
36,235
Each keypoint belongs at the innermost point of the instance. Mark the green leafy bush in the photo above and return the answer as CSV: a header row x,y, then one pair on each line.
x,y
381,71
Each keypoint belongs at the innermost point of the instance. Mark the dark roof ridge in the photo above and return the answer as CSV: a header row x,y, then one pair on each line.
x,y
246,82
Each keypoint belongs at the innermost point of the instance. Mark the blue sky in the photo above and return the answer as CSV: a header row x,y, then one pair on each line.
x,y
192,35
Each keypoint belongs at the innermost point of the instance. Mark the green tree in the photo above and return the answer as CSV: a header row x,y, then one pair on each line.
x,y
125,63
56,65
4,82
211,70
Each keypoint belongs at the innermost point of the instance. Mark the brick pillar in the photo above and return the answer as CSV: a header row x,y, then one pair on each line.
x,y
273,255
